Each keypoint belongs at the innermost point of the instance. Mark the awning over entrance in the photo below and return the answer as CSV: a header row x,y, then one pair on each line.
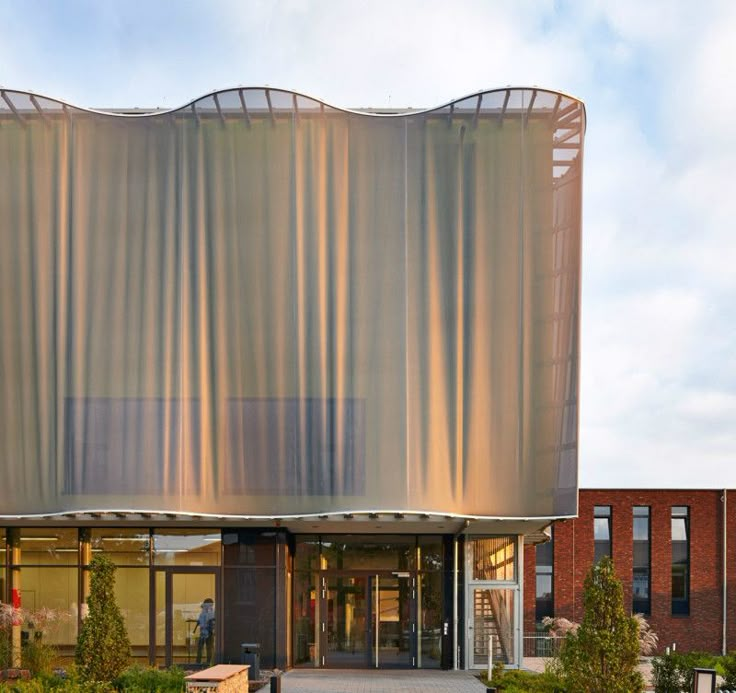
x,y
378,522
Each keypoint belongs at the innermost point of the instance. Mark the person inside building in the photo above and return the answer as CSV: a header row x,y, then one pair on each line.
x,y
206,626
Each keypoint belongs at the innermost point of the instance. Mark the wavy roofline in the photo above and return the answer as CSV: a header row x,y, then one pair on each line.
x,y
311,516
322,102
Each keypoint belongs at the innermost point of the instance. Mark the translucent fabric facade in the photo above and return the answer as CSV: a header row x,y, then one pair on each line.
x,y
261,305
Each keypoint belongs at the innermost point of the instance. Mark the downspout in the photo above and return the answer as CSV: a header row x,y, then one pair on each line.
x,y
724,648
455,594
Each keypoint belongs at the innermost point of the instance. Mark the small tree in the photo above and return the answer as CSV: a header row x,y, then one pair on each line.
x,y
601,656
103,647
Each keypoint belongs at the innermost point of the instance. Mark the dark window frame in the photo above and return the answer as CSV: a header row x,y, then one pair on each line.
x,y
642,605
545,606
602,547
680,606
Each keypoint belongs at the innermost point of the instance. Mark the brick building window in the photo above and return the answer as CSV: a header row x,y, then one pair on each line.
x,y
545,605
680,560
602,531
642,560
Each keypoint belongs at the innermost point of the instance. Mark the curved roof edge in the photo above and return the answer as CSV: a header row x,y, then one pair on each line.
x,y
181,514
532,99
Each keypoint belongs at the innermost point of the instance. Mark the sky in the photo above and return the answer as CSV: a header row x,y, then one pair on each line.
x,y
658,351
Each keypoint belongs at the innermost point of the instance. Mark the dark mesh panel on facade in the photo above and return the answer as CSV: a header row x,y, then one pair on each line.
x,y
254,585
294,446
129,445
250,595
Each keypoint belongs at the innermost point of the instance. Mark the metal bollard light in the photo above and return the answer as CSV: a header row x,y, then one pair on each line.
x,y
490,656
490,689
275,684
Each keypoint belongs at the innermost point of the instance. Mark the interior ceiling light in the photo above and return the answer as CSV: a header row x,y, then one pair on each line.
x,y
173,550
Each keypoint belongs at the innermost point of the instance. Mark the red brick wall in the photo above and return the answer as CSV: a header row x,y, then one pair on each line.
x,y
530,581
731,569
702,629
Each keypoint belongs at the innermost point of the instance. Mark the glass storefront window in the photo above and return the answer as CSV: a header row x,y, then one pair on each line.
x,y
132,586
307,553
50,600
193,606
248,548
41,546
430,553
492,614
545,602
3,553
430,620
122,546
493,558
602,525
368,552
372,609
186,547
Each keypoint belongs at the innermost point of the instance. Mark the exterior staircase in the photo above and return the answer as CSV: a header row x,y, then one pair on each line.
x,y
490,620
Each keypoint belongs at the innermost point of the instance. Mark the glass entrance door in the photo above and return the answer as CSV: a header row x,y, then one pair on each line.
x,y
394,601
491,625
346,633
185,629
367,621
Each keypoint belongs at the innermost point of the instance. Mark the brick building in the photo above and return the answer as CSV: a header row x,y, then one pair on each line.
x,y
667,547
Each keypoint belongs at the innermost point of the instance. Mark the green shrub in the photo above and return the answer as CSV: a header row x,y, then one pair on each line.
x,y
149,680
57,685
727,669
6,650
103,648
665,675
673,673
602,655
519,681
134,680
38,656
687,661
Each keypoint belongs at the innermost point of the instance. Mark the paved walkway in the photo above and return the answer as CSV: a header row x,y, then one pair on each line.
x,y
382,681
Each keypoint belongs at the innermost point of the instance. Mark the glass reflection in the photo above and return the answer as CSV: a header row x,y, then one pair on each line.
x,y
41,546
348,622
391,599
494,558
305,634
132,595
3,553
185,619
493,615
160,604
368,552
430,553
50,601
307,553
429,625
123,546
186,547
375,608
193,618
